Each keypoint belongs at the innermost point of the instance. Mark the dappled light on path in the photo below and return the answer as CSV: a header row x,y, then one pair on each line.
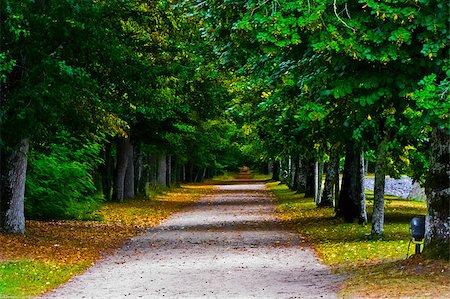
x,y
229,245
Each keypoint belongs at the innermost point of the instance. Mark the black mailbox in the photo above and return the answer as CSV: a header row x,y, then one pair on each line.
x,y
418,228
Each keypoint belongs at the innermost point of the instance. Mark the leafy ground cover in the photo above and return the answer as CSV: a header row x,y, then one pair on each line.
x,y
52,252
374,267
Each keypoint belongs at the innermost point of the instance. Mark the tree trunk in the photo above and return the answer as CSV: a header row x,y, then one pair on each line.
x,y
358,190
203,174
337,182
302,177
292,171
284,170
12,188
106,170
177,169
152,169
140,171
344,205
121,169
310,178
128,191
169,170
296,172
352,198
327,195
378,191
316,182
366,166
162,171
319,181
270,168
437,189
276,171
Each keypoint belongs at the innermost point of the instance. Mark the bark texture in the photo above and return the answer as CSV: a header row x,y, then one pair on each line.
x,y
169,170
301,175
162,171
319,187
140,171
276,170
359,196
378,197
121,169
437,189
296,174
327,195
106,171
12,188
317,181
337,181
128,188
352,199
310,177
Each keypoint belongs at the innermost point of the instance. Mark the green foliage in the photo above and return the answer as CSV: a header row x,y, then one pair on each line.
x,y
60,183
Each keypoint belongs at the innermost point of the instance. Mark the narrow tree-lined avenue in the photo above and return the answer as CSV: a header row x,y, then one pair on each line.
x,y
111,102
230,244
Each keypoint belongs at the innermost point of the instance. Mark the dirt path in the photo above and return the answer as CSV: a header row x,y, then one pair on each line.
x,y
229,245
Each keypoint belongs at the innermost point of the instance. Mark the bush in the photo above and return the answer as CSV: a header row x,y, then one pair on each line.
x,y
59,188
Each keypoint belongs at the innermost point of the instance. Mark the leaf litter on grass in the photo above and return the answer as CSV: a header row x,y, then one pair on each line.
x,y
57,250
375,267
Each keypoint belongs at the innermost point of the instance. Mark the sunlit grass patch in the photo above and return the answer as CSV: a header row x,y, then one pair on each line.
x,y
370,263
23,278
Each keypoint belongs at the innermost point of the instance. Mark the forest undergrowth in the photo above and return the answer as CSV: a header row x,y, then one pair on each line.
x,y
382,267
50,252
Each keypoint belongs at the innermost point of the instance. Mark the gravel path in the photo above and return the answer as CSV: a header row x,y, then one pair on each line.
x,y
229,245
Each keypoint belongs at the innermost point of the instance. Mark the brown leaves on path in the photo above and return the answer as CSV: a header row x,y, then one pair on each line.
x,y
78,242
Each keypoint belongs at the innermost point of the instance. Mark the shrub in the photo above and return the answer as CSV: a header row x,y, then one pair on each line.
x,y
59,187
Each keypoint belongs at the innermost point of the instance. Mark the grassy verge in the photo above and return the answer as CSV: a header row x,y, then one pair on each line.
x,y
375,268
52,252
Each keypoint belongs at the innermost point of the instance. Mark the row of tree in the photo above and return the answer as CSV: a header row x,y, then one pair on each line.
x,y
112,95
99,99
325,80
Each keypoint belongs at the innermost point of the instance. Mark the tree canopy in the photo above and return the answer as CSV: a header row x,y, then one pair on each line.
x,y
178,90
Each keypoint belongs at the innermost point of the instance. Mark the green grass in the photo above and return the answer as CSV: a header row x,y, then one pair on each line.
x,y
349,248
23,278
341,243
